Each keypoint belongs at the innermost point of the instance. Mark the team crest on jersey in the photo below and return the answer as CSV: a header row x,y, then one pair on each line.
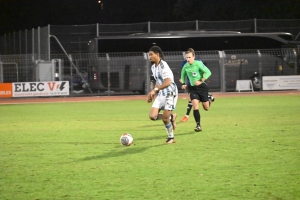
x,y
194,73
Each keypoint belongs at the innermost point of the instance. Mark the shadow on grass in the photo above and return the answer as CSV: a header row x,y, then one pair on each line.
x,y
161,137
123,150
117,153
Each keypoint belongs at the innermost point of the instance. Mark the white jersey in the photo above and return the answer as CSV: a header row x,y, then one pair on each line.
x,y
161,72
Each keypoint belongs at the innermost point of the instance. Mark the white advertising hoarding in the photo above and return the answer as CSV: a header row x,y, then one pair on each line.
x,y
280,82
32,89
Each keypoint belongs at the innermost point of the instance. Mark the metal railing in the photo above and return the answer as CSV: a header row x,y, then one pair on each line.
x,y
122,73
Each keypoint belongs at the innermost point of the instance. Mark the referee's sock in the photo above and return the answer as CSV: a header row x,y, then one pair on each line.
x,y
188,110
197,117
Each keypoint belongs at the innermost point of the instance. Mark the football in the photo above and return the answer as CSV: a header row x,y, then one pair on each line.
x,y
126,139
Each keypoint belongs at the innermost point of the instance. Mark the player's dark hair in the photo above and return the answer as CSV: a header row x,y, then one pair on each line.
x,y
157,50
190,50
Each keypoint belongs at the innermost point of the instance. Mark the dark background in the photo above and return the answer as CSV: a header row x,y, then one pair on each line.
x,y
18,15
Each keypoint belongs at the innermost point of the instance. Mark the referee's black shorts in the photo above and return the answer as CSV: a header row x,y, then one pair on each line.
x,y
189,87
199,92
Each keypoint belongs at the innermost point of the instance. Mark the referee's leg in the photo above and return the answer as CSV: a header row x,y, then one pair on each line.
x,y
204,98
206,105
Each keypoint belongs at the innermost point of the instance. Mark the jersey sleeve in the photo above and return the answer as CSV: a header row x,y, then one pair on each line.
x,y
166,73
183,75
205,70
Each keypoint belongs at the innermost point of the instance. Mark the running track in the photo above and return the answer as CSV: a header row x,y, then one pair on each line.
x,y
133,97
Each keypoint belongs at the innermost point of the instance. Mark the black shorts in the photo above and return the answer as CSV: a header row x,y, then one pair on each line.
x,y
189,87
199,92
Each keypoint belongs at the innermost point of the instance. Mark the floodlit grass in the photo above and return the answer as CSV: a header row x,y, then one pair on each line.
x,y
248,149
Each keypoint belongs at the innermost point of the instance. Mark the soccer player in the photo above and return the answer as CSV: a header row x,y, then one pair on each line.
x,y
165,93
197,73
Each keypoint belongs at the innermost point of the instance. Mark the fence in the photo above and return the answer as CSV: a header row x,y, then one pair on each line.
x,y
123,73
76,38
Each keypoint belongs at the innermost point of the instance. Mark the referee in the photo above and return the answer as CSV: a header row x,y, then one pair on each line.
x,y
197,73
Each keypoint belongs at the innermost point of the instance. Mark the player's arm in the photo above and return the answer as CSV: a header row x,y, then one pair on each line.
x,y
206,73
183,77
182,65
167,82
152,93
166,74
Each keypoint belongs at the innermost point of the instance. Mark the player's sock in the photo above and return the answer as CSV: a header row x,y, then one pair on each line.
x,y
197,117
169,129
188,110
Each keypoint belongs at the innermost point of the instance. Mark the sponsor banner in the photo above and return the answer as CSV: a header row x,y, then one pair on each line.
x,y
280,82
32,89
233,61
5,90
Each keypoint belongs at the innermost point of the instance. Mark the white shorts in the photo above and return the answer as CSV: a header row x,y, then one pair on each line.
x,y
165,102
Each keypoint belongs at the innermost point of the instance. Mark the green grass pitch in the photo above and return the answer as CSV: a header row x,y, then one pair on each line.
x,y
248,149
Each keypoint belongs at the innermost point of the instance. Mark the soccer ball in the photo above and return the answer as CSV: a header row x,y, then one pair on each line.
x,y
126,139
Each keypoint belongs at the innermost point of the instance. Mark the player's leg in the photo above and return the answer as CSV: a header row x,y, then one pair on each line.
x,y
206,105
197,116
169,119
189,108
168,125
211,98
154,114
204,96
157,106
195,100
155,109
173,120
173,101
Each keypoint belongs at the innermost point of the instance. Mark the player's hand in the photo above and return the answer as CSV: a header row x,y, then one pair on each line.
x,y
151,96
183,87
149,100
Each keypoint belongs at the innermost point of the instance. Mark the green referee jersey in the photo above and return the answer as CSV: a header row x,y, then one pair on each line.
x,y
195,72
